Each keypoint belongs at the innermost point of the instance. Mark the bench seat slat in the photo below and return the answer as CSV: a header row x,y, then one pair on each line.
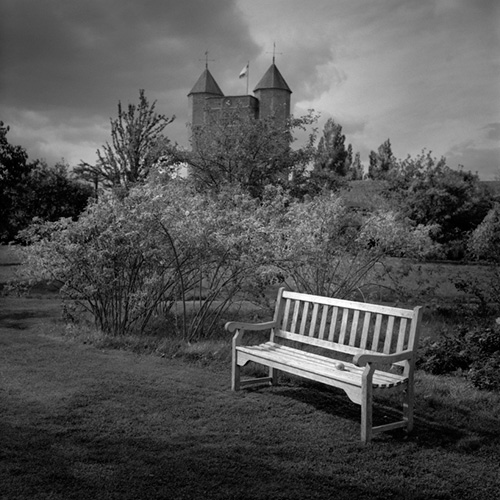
x,y
314,364
383,377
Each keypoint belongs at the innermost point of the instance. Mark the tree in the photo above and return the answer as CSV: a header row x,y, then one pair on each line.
x,y
332,155
246,152
381,162
33,189
137,144
429,192
14,171
484,242
53,194
356,171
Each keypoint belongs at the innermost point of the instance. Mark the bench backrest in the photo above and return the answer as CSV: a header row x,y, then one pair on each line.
x,y
346,326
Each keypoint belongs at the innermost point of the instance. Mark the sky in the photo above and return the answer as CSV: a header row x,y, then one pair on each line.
x,y
424,74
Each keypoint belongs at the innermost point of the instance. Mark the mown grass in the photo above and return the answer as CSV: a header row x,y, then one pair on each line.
x,y
86,416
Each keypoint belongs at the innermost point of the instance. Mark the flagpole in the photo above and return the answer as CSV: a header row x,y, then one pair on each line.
x,y
248,74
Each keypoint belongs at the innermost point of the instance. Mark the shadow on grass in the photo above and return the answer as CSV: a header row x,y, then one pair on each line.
x,y
79,465
22,320
428,431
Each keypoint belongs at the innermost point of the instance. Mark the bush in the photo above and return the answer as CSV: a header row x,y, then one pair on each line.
x,y
475,351
485,374
166,247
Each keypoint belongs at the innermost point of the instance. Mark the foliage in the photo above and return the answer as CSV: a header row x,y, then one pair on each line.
x,y
484,242
322,248
473,350
137,145
381,162
14,172
332,160
125,260
428,192
356,170
169,247
31,190
53,194
245,152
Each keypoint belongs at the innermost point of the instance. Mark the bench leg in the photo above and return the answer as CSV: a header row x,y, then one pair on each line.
x,y
235,375
408,407
273,374
366,414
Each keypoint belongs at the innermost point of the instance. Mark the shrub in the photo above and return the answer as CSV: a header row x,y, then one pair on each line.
x,y
485,374
162,246
475,351
447,354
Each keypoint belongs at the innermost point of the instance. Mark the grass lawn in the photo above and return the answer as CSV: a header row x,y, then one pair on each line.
x,y
78,421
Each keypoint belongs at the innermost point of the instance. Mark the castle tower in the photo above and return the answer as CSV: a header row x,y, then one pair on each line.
x,y
273,94
208,104
205,87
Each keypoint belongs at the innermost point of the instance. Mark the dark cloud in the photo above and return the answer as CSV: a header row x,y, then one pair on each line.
x,y
72,54
67,59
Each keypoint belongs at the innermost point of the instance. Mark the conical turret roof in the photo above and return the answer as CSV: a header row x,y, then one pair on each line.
x,y
206,84
272,79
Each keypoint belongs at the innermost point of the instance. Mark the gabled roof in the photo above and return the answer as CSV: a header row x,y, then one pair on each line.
x,y
272,80
206,84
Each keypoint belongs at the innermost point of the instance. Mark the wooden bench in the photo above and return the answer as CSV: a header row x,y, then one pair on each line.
x,y
358,347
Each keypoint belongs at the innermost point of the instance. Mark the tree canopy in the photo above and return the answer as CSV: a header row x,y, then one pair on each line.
x,y
240,150
429,192
137,144
30,189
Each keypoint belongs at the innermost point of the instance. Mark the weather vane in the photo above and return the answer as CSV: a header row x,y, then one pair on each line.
x,y
274,52
206,59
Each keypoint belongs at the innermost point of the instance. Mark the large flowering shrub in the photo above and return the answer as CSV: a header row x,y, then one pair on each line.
x,y
168,245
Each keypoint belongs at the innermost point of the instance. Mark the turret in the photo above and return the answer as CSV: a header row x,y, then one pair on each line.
x,y
205,87
273,94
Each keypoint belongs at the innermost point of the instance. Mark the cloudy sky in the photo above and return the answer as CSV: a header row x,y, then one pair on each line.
x,y
422,73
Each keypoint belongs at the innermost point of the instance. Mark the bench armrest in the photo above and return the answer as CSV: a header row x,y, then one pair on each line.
x,y
362,359
232,326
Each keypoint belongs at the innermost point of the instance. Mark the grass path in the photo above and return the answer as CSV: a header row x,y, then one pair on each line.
x,y
77,422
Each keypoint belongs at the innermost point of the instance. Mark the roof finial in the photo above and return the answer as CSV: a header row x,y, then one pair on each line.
x,y
274,52
206,59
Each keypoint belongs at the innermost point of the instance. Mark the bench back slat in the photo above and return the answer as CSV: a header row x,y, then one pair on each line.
x,y
296,308
354,328
345,326
314,318
333,322
364,333
322,326
305,309
376,332
402,334
388,335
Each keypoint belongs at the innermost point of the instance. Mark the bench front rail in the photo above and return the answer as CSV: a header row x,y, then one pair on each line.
x,y
358,347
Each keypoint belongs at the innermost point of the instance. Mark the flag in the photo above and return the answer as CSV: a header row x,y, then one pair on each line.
x,y
244,71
